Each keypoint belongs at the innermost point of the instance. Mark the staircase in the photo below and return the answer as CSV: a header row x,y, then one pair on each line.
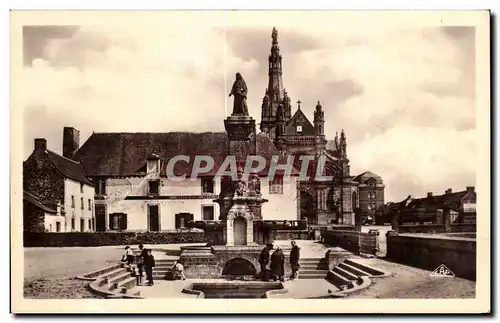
x,y
162,267
348,274
313,268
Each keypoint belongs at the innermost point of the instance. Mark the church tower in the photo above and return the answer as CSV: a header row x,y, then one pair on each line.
x,y
274,92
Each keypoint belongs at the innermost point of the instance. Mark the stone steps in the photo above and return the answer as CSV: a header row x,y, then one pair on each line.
x,y
353,269
364,268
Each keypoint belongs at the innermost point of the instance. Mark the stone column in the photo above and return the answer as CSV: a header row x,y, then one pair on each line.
x,y
249,232
230,233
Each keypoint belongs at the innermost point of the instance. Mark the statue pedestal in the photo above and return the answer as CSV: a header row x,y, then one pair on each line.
x,y
239,127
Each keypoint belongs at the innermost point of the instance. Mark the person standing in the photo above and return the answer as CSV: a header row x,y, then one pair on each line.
x,y
278,265
149,264
294,260
140,263
264,260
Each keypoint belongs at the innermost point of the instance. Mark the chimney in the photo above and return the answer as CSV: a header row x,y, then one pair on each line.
x,y
429,194
448,191
470,188
71,141
40,144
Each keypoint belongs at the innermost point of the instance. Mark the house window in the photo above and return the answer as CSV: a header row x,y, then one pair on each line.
x,y
58,226
207,184
100,187
154,187
469,207
299,129
81,203
90,205
50,227
82,225
276,186
81,187
72,223
208,213
90,225
182,219
118,221
72,201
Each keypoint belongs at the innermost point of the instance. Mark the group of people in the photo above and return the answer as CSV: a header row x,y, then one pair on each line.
x,y
276,262
145,262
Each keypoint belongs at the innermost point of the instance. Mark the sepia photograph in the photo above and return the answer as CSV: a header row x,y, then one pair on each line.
x,y
289,161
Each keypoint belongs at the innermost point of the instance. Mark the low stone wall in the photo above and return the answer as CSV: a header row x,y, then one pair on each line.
x,y
421,228
436,228
94,239
429,252
462,227
353,241
289,235
210,263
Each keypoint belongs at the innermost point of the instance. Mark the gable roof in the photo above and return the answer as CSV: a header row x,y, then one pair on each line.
x,y
366,176
125,154
34,201
299,118
69,168
451,200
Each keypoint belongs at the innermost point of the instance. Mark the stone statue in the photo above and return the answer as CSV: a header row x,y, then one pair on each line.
x,y
239,90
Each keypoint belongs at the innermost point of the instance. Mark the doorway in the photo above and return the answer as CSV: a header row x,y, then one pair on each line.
x,y
154,219
240,231
100,218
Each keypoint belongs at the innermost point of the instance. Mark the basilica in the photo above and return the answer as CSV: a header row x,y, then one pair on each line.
x,y
131,189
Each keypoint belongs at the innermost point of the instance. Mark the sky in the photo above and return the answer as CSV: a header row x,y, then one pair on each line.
x,y
404,94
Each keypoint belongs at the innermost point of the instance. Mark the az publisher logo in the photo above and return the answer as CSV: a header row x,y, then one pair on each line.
x,y
442,271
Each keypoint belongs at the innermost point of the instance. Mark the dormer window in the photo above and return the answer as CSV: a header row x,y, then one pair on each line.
x,y
207,184
299,129
154,187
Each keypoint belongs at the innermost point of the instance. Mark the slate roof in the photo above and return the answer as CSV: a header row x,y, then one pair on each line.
x,y
69,168
451,200
364,177
299,118
34,201
125,154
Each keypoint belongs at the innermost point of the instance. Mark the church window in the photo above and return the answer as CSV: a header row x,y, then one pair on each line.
x,y
207,184
276,186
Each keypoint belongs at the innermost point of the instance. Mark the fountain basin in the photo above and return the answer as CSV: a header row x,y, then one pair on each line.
x,y
234,290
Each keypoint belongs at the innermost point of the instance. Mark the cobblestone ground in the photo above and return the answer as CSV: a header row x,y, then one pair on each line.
x,y
50,272
410,282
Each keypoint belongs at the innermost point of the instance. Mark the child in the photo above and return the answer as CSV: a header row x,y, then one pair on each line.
x,y
178,270
128,257
149,264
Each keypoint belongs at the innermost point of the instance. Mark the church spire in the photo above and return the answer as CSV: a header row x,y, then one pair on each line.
x,y
275,85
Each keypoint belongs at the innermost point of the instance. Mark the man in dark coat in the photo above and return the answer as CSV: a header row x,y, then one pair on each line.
x,y
140,262
278,265
264,260
149,264
294,260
